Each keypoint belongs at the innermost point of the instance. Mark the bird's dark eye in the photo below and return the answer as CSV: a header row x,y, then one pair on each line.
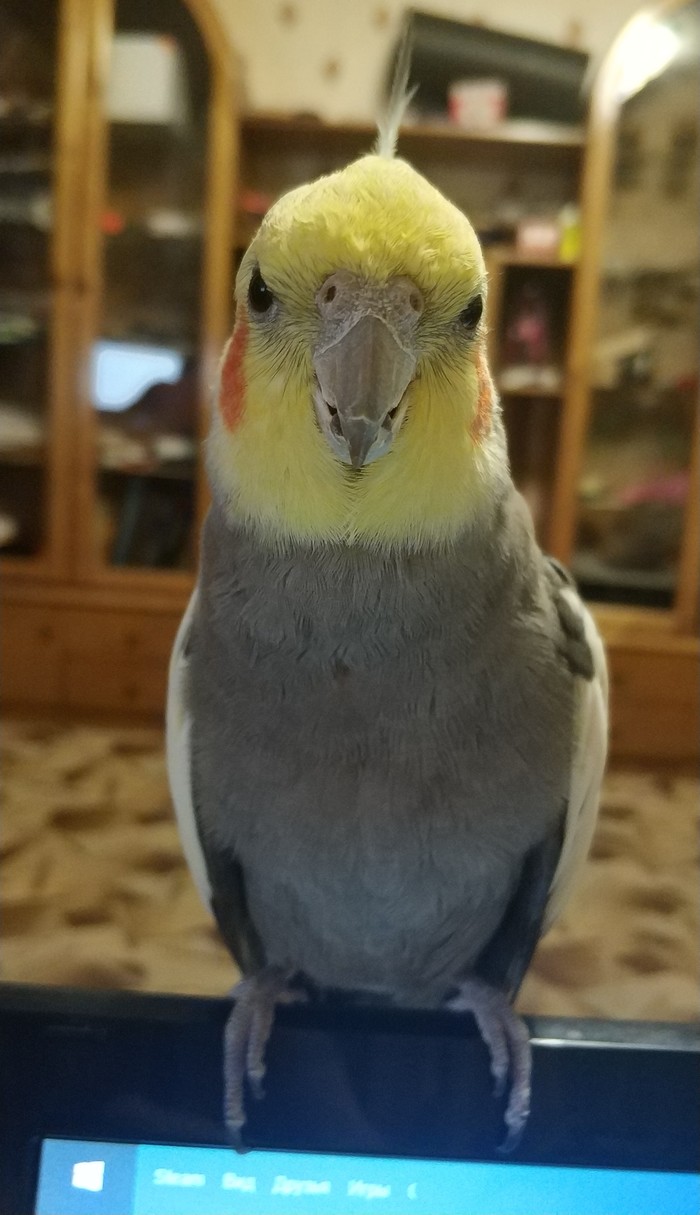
x,y
260,297
470,316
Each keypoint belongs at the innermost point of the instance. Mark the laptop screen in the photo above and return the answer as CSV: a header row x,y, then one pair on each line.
x,y
94,1178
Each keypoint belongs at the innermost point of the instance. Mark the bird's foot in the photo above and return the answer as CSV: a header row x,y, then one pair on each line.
x,y
507,1040
246,1036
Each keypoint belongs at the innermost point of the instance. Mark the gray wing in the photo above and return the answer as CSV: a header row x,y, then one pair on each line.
x,y
504,961
549,870
218,877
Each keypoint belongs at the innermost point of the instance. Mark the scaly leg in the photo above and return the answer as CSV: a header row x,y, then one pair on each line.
x,y
507,1040
246,1035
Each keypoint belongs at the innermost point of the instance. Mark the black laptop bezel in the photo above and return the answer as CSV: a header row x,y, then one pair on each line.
x,y
135,1068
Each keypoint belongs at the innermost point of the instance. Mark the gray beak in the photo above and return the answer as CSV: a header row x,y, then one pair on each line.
x,y
362,378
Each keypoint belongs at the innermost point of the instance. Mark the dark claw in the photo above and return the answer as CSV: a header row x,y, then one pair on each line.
x,y
257,1087
511,1140
245,1039
506,1039
235,1134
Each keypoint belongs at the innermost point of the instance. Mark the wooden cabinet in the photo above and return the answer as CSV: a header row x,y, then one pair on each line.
x,y
118,169
86,658
627,492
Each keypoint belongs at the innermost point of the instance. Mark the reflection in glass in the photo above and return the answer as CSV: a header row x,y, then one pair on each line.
x,y
145,366
27,83
634,485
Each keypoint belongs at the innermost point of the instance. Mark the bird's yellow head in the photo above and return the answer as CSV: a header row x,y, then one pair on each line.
x,y
355,402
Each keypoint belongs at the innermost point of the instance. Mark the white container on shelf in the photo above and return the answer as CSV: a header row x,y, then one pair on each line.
x,y
146,80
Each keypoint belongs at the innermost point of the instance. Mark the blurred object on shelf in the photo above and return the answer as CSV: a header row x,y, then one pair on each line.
x,y
538,237
112,222
172,449
153,521
122,372
122,452
532,431
23,253
526,377
528,347
19,428
161,223
623,357
25,111
570,233
22,500
544,80
24,164
8,529
151,287
147,81
645,536
150,397
169,224
501,224
528,329
26,62
153,389
636,481
118,450
34,208
477,105
681,158
16,328
255,202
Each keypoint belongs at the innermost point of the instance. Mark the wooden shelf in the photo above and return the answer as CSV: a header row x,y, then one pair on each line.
x,y
532,392
186,347
142,232
510,256
521,133
178,470
16,118
31,456
26,301
25,164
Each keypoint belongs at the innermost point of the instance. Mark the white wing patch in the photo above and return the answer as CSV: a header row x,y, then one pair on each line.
x,y
178,730
588,765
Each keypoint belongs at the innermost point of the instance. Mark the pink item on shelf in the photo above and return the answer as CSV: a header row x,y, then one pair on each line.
x,y
671,490
478,104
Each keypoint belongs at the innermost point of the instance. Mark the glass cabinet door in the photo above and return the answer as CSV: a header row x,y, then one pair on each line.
x,y
635,480
145,373
28,57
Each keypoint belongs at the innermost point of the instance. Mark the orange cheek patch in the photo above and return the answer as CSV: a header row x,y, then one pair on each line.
x,y
232,395
481,421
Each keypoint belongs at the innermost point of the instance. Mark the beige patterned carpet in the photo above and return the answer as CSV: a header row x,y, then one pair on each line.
x,y
94,891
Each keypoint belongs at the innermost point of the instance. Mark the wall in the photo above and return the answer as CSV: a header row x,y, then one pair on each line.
x,y
329,56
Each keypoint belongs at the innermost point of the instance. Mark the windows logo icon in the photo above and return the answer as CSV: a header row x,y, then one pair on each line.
x,y
88,1175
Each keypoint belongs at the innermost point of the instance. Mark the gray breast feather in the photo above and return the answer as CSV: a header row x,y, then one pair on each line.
x,y
380,749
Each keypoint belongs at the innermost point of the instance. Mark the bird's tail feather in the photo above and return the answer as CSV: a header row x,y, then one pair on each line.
x,y
399,100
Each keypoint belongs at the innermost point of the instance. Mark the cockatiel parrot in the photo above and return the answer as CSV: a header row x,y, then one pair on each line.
x,y
387,708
